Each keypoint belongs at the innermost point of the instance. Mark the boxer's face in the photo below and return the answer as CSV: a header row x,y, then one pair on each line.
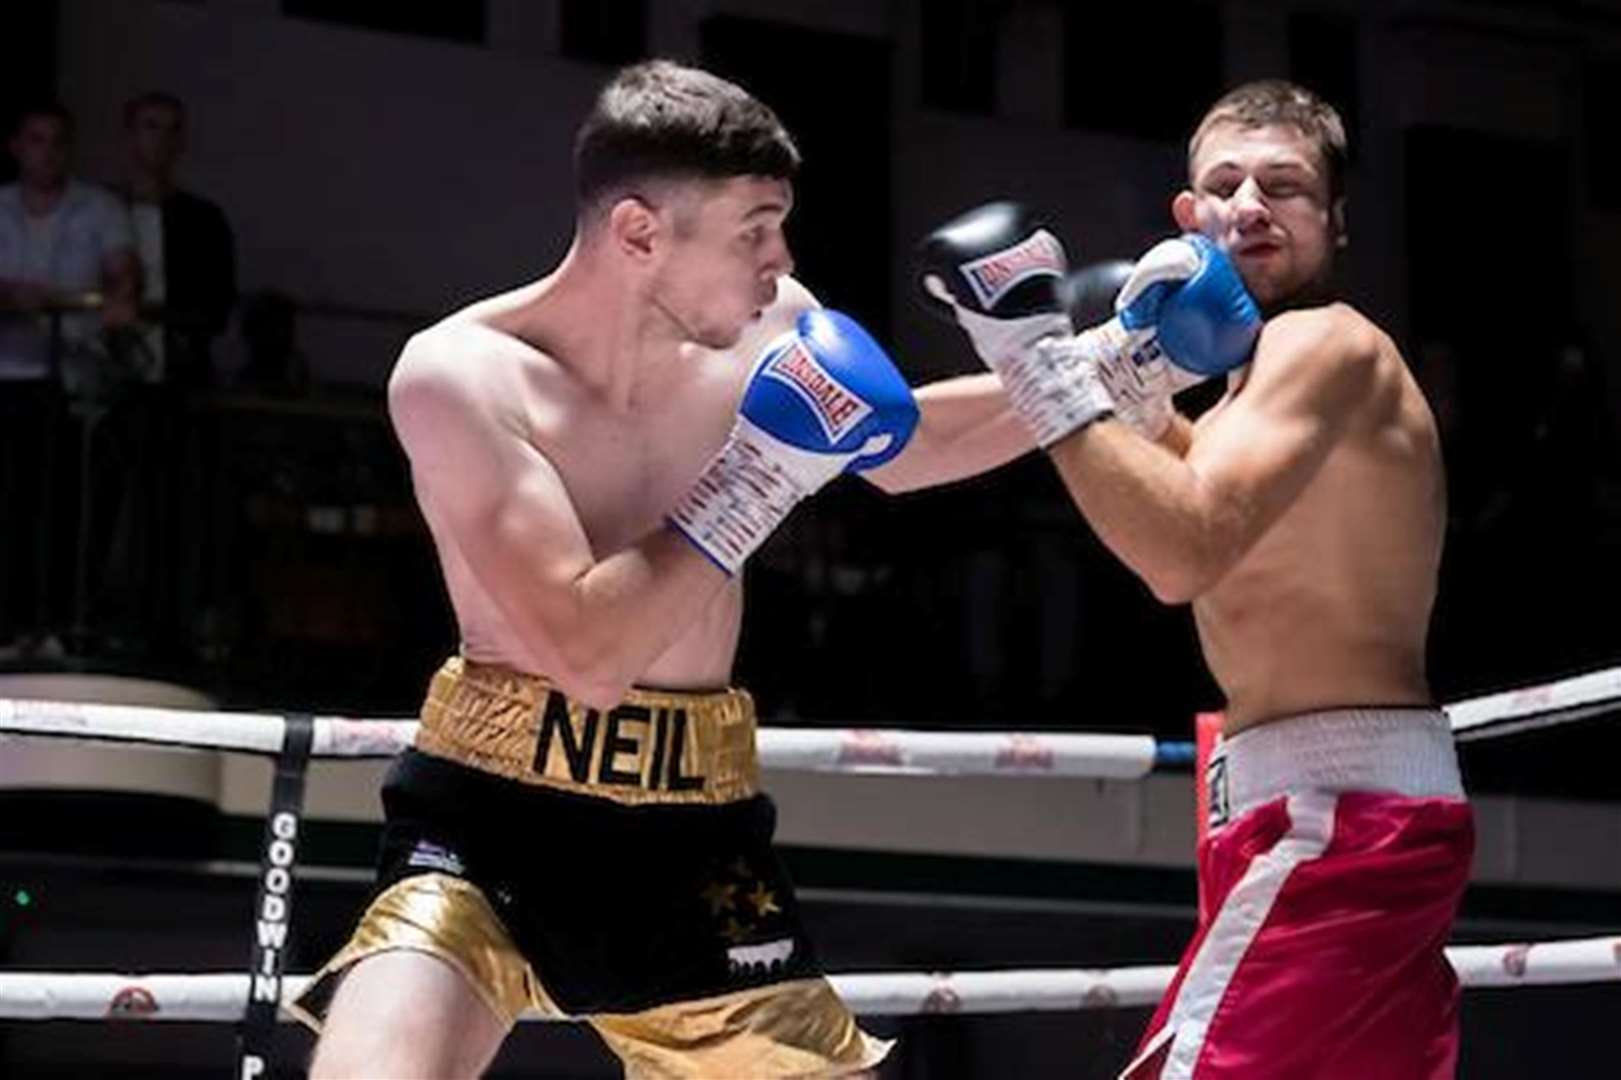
x,y
727,250
1262,193
41,149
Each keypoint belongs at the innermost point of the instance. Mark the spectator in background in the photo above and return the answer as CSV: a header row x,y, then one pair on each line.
x,y
187,251
63,244
60,239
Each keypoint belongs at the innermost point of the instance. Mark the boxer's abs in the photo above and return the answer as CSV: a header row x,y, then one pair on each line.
x,y
1327,611
1298,665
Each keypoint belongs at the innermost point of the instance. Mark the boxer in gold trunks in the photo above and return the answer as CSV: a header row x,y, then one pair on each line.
x,y
563,837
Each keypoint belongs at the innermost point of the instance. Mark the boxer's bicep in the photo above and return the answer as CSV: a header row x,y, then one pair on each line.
x,y
1311,372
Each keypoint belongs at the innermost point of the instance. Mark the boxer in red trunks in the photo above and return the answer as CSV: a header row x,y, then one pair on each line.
x,y
1302,517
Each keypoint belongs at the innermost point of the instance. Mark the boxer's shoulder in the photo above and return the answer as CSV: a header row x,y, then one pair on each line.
x,y
1336,316
1320,357
1334,332
465,372
1335,363
470,355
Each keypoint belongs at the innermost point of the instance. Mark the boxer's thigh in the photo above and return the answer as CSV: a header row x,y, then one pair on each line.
x,y
406,1014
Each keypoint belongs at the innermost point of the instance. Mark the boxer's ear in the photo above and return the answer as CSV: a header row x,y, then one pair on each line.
x,y
1336,223
634,227
1183,211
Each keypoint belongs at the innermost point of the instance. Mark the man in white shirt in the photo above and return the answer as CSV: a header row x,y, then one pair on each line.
x,y
63,244
60,240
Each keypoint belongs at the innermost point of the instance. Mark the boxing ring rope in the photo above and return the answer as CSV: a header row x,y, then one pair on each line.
x,y
221,997
252,1000
1531,707
1114,757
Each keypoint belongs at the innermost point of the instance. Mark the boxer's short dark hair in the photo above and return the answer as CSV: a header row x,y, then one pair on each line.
x,y
1275,101
663,121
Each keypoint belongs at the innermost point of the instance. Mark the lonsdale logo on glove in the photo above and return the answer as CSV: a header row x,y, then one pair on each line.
x,y
992,276
835,408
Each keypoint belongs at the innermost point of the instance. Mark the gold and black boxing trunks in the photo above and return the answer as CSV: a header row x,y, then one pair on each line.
x,y
611,866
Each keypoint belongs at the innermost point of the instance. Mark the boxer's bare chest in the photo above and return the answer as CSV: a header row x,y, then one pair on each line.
x,y
1330,604
624,468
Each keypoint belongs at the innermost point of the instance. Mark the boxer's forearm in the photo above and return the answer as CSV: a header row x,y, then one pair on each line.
x,y
623,613
965,427
634,605
1147,506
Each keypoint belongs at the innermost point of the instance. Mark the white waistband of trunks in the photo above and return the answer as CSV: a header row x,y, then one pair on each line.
x,y
1402,751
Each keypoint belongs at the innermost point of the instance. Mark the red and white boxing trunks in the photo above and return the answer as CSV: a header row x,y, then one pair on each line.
x,y
1340,843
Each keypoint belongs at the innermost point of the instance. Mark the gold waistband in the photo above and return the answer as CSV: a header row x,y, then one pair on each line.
x,y
653,747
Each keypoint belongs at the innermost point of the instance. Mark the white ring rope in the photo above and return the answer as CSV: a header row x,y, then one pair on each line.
x,y
64,996
1122,757
817,749
223,997
1529,707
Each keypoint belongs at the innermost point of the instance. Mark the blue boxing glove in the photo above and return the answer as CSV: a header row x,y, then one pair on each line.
x,y
823,399
1184,303
1186,295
